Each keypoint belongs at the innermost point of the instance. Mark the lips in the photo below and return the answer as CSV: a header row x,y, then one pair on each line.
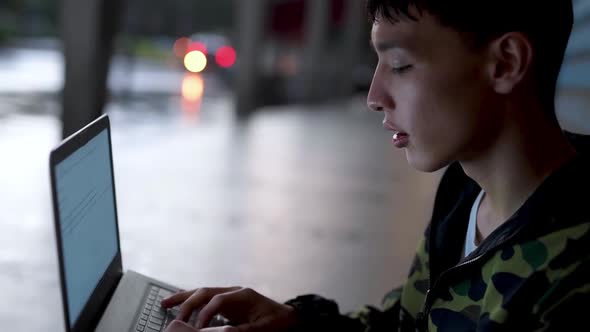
x,y
396,131
397,136
400,138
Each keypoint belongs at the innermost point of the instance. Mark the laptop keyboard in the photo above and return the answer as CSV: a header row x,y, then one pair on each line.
x,y
153,317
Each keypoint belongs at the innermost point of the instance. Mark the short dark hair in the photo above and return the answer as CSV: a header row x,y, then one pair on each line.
x,y
547,24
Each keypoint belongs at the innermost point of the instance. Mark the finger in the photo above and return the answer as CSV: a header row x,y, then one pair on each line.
x,y
177,298
178,326
222,303
221,329
261,325
199,298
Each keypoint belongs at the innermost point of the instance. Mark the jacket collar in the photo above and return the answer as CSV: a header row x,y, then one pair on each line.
x,y
559,202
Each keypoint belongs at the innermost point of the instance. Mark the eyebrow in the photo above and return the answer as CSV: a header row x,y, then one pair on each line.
x,y
383,46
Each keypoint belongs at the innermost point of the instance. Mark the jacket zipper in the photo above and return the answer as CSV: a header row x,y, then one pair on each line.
x,y
422,317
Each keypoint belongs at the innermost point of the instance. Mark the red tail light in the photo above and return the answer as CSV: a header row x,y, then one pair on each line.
x,y
225,56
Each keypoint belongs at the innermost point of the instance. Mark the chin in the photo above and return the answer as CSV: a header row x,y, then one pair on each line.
x,y
424,162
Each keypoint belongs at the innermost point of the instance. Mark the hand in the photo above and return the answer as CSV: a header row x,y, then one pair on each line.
x,y
178,326
247,310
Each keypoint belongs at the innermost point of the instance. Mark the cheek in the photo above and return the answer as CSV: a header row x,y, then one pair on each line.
x,y
451,99
441,116
428,111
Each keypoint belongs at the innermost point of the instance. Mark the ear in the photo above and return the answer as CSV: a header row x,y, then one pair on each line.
x,y
511,58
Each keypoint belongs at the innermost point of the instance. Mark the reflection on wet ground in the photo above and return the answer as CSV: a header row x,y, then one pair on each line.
x,y
294,200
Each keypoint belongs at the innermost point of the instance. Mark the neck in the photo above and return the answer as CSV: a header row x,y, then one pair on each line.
x,y
524,154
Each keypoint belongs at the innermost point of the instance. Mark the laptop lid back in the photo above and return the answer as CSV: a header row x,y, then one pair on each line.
x,y
86,225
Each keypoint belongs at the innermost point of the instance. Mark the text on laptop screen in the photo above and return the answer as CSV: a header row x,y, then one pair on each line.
x,y
87,219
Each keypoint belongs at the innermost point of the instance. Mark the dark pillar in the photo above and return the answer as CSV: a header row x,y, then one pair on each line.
x,y
317,23
88,31
355,29
251,18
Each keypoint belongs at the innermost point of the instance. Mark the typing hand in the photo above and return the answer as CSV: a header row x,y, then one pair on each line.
x,y
178,326
247,310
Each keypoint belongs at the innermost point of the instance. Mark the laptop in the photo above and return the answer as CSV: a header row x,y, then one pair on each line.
x,y
97,294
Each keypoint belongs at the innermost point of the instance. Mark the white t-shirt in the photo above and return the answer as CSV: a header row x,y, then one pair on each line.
x,y
471,236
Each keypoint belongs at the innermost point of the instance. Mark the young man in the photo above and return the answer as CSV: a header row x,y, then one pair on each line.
x,y
469,85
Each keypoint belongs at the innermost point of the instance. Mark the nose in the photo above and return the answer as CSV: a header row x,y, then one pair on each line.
x,y
378,98
374,106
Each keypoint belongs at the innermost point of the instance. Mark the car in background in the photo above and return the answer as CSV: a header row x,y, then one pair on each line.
x,y
206,52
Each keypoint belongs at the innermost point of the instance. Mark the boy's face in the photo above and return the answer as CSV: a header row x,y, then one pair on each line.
x,y
433,87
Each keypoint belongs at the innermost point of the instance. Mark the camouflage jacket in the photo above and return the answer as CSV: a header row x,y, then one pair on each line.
x,y
531,274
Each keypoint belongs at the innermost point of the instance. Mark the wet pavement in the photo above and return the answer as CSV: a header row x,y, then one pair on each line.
x,y
295,200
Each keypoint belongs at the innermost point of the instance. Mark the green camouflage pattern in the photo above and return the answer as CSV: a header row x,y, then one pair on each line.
x,y
524,285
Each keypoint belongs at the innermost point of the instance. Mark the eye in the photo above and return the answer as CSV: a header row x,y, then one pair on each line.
x,y
402,69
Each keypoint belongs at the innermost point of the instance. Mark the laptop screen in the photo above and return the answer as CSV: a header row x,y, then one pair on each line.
x,y
87,219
